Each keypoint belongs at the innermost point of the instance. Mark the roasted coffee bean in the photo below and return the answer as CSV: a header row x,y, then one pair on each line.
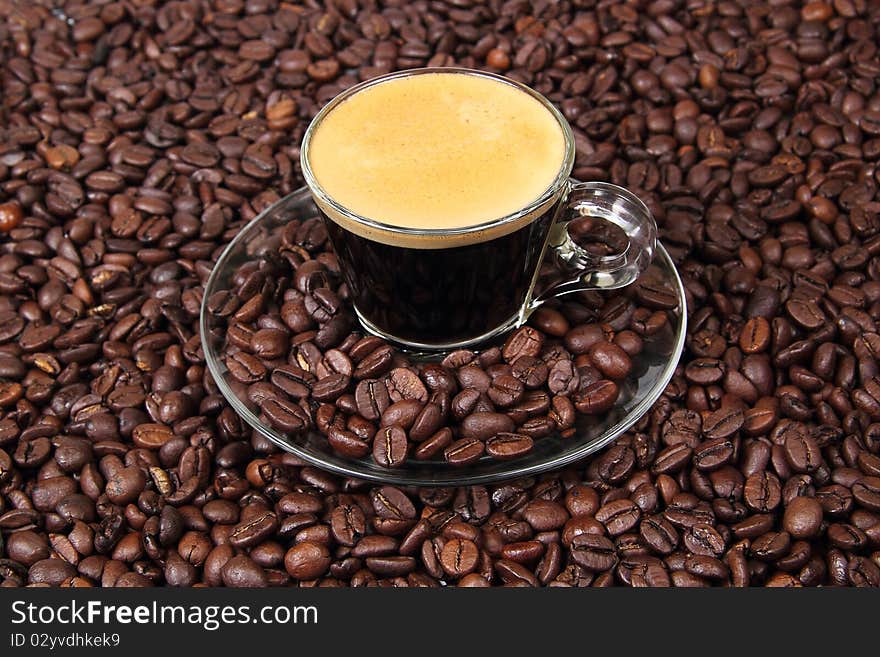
x,y
285,415
347,443
483,425
307,560
713,454
581,338
762,492
563,378
464,451
404,413
531,371
770,546
802,452
525,341
610,359
803,517
330,388
545,515
245,367
866,491
459,557
505,390
433,445
597,397
426,423
372,398
582,501
403,383
593,552
508,445
754,337
659,534
618,516
390,446
704,539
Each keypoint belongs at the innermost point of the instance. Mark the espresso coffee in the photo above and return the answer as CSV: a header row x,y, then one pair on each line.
x,y
437,151
438,190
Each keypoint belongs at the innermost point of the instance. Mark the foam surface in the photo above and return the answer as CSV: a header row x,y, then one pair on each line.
x,y
437,151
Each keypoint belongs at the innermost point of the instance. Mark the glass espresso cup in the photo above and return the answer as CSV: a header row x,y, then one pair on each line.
x,y
442,191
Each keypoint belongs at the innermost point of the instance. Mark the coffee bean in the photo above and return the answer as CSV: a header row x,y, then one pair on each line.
x,y
704,539
525,341
672,459
581,338
597,397
593,552
659,534
531,371
10,216
610,359
803,517
331,387
459,558
245,367
433,445
544,515
755,335
347,443
390,502
241,572
125,485
295,382
505,390
508,445
582,501
863,572
27,547
372,398
390,446
836,500
50,571
802,452
548,321
762,492
482,425
770,546
464,451
405,384
866,492
618,516
722,423
285,415
563,378
375,364
404,413
713,454
306,560
151,436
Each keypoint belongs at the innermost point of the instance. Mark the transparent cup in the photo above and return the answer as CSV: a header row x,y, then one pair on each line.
x,y
483,281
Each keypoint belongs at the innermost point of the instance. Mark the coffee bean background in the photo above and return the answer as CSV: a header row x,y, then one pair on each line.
x,y
137,138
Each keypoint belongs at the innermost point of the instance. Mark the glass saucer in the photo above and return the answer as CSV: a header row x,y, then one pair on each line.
x,y
653,368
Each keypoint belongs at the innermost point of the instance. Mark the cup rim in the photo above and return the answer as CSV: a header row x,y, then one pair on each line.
x,y
548,195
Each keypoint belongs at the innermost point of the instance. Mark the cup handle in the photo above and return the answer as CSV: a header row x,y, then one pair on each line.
x,y
587,271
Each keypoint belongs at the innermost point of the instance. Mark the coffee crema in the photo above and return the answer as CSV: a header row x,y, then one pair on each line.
x,y
437,151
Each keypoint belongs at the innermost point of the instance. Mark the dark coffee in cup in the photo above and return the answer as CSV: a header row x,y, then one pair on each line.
x,y
439,296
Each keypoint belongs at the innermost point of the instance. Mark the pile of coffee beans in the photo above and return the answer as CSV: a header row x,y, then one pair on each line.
x,y
284,331
137,138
